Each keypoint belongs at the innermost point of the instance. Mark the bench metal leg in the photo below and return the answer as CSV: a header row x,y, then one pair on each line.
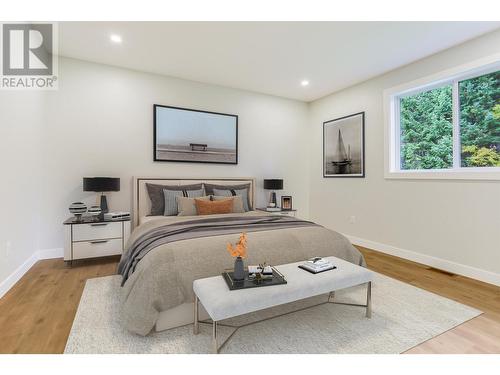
x,y
214,338
196,327
369,300
215,324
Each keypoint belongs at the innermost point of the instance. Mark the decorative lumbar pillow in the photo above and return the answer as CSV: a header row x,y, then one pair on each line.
x,y
157,197
204,207
237,202
187,207
171,199
243,193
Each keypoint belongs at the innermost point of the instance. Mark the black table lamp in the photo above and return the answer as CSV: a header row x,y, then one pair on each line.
x,y
273,184
101,185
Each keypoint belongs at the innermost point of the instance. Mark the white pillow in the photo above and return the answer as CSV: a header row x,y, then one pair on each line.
x,y
186,206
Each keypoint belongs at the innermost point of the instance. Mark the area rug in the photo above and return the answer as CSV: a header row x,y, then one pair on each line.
x,y
403,317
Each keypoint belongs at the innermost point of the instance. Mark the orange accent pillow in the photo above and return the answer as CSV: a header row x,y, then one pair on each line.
x,y
204,207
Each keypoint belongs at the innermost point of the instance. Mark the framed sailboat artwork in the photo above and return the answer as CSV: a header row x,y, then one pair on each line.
x,y
344,146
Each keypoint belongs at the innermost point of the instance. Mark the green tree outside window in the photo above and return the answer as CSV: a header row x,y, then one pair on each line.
x,y
427,130
480,121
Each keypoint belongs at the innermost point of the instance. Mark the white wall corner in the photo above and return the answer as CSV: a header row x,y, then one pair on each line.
x,y
442,264
15,276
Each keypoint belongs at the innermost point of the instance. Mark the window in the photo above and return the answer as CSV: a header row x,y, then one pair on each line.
x,y
426,123
480,121
448,127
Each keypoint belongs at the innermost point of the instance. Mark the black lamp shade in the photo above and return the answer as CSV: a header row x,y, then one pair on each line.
x,y
273,184
101,184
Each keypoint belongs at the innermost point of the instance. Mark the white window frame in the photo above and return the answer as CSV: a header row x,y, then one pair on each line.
x,y
392,155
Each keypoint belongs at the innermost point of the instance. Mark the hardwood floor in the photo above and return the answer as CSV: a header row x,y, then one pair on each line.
x,y
37,313
478,335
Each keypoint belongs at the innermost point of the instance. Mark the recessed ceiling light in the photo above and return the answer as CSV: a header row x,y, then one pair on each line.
x,y
116,38
304,82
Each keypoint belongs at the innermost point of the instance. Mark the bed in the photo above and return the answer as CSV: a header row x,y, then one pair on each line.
x,y
165,254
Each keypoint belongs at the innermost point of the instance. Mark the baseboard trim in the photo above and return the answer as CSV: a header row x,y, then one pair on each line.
x,y
15,276
439,263
51,253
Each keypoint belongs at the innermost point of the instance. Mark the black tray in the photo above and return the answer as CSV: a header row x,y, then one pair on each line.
x,y
278,279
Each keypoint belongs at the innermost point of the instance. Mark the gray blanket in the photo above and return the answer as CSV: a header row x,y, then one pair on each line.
x,y
213,226
163,278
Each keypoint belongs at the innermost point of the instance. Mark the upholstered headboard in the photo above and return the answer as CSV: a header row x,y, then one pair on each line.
x,y
142,204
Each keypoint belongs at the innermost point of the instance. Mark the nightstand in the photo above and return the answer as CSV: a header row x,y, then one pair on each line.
x,y
281,212
91,238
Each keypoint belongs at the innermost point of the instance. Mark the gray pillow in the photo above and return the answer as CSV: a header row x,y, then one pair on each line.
x,y
243,193
237,203
171,199
157,198
209,189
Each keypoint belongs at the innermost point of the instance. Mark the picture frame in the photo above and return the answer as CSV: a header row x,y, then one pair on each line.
x,y
286,203
194,136
344,146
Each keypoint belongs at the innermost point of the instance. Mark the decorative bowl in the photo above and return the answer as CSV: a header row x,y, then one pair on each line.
x,y
78,209
94,211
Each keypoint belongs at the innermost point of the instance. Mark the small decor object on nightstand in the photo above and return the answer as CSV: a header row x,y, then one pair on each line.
x,y
101,185
286,203
117,215
273,184
239,250
78,209
95,211
279,211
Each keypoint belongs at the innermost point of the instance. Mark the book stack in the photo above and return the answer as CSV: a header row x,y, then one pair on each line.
x,y
273,209
317,265
116,215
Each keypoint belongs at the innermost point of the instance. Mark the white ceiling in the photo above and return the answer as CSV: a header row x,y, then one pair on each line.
x,y
272,57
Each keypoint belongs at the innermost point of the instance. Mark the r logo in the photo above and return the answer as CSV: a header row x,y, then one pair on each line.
x,y
27,49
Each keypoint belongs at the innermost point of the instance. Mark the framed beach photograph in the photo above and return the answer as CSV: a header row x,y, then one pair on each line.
x,y
189,135
344,146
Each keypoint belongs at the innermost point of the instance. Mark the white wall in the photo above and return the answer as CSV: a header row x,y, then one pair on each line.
x,y
100,123
455,221
22,118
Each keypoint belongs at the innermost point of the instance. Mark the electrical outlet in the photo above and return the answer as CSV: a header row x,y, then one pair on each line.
x,y
352,219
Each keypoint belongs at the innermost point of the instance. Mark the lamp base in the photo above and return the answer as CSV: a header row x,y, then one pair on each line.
x,y
272,199
104,204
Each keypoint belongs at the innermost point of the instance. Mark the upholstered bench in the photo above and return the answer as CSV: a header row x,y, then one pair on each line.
x,y
222,303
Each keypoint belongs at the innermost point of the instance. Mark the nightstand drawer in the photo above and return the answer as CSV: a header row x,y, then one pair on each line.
x,y
96,231
97,248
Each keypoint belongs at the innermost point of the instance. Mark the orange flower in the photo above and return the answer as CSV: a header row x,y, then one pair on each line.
x,y
240,248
